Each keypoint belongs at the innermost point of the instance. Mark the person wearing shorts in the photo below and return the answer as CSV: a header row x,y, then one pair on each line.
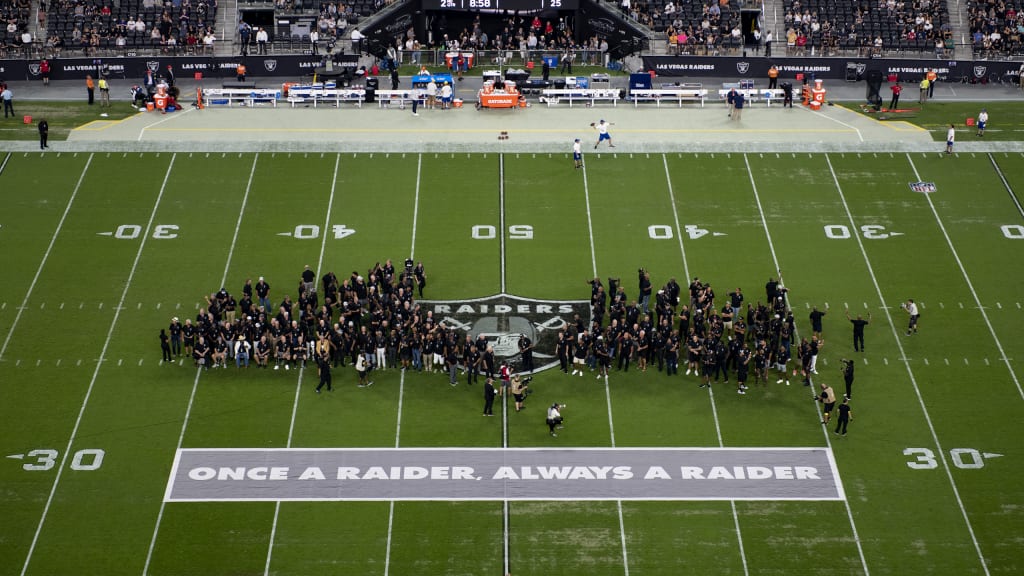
x,y
602,134
518,392
827,397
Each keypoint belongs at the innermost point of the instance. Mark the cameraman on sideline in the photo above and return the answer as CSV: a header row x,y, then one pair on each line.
x,y
555,418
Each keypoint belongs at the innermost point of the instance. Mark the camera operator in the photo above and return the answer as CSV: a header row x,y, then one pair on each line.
x,y
847,370
555,419
520,389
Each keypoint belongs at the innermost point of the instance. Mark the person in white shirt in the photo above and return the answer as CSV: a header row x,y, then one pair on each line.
x,y
554,419
911,308
950,138
982,121
577,154
261,40
314,37
357,41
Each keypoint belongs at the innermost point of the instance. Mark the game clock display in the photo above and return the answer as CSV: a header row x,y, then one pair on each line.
x,y
520,5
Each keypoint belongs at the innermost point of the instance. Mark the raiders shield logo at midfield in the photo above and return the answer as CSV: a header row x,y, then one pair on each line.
x,y
503,319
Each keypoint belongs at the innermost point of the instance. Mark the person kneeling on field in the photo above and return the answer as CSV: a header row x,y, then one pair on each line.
x,y
554,419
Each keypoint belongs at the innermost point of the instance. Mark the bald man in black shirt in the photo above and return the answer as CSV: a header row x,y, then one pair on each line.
x,y
858,330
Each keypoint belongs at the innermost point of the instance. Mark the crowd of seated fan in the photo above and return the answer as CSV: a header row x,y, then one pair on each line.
x,y
172,27
871,27
997,28
692,28
513,32
14,19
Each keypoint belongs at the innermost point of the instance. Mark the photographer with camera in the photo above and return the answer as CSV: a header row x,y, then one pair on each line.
x,y
847,370
555,419
644,286
520,390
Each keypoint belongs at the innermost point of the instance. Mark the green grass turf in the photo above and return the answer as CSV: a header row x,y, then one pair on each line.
x,y
63,117
907,520
1005,119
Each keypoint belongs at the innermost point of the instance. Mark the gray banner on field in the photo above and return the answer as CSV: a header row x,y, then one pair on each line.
x,y
504,474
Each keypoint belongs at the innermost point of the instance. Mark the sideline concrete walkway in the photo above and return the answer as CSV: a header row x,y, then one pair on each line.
x,y
539,128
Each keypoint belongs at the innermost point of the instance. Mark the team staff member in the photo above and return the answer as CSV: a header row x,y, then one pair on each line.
x,y
845,415
932,79
982,122
827,397
816,316
773,77
858,330
896,89
911,308
489,394
165,346
44,133
323,369
577,153
950,138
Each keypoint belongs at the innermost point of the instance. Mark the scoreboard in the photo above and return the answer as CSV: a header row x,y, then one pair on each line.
x,y
513,5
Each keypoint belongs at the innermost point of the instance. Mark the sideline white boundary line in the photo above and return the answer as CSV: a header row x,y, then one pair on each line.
x,y
142,131
302,369
970,285
775,260
99,364
906,364
607,388
711,394
199,371
46,256
501,215
401,378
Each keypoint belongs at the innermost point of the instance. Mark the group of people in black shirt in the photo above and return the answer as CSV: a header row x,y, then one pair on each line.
x,y
373,316
688,327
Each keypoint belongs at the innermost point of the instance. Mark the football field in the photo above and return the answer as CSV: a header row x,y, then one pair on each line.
x,y
100,250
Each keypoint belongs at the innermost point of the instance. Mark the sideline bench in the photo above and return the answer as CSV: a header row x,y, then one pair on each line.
x,y
680,94
319,95
243,96
588,95
756,94
387,98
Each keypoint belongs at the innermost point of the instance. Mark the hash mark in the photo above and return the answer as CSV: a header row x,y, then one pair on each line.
x,y
966,362
826,305
825,361
4,307
81,305
886,360
101,305
921,304
941,305
177,306
865,361
158,305
925,361
140,361
139,307
865,305
58,361
120,361
999,305
18,363
38,362
79,363
61,305
42,305
946,360
961,305
807,305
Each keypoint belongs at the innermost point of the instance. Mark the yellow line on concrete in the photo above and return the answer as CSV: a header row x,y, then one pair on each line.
x,y
903,126
103,124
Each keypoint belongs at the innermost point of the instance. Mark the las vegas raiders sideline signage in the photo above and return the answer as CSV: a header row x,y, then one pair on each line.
x,y
133,68
332,474
827,68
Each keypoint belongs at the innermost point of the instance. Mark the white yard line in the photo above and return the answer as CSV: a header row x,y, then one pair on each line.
x,y
199,371
46,256
711,394
99,364
970,285
501,215
1006,184
302,369
775,261
401,378
910,371
607,389
836,120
